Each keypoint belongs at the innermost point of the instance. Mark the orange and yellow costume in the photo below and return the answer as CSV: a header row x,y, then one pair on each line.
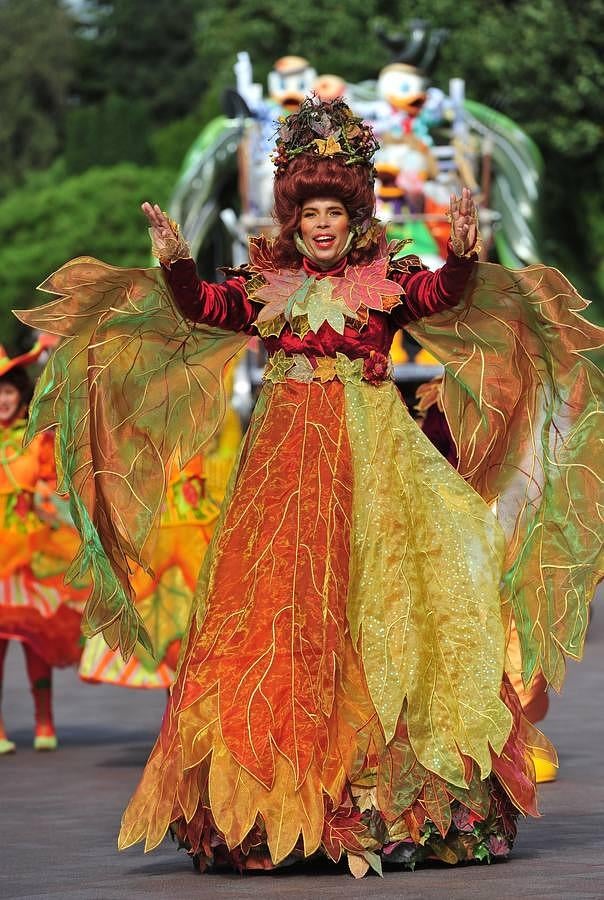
x,y
36,549
37,608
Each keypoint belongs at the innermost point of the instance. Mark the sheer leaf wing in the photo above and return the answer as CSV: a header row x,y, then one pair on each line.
x,y
131,386
524,405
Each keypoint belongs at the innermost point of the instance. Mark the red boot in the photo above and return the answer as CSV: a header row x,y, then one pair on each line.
x,y
40,680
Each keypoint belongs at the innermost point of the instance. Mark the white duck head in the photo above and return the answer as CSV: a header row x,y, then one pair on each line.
x,y
291,81
403,87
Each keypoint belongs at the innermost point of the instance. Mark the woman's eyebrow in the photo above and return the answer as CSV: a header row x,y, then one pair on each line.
x,y
329,208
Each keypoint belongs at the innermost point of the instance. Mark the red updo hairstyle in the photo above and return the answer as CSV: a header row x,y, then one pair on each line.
x,y
309,176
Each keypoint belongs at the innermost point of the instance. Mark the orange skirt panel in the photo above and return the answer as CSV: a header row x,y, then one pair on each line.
x,y
274,657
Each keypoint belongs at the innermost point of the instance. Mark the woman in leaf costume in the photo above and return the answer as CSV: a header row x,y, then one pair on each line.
x,y
341,688
36,548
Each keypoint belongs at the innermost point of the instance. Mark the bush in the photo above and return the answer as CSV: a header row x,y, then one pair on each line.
x,y
114,131
94,214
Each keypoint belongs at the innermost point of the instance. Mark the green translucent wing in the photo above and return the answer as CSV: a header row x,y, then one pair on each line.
x,y
525,408
131,386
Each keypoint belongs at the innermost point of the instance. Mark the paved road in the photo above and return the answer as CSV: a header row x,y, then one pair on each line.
x,y
59,813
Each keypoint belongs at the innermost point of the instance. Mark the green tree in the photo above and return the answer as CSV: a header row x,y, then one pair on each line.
x,y
541,62
171,142
142,51
106,133
94,214
333,37
36,70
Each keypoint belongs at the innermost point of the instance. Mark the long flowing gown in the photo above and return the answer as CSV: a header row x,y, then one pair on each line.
x,y
341,689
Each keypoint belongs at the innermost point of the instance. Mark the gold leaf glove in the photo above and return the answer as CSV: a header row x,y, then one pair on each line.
x,y
457,242
168,247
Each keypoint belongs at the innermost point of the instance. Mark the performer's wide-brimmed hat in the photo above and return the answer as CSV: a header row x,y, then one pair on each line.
x,y
7,363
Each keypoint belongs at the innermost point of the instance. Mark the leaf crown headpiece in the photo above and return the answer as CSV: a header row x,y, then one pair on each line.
x,y
324,128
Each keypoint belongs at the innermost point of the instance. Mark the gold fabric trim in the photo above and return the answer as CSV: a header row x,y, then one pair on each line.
x,y
297,367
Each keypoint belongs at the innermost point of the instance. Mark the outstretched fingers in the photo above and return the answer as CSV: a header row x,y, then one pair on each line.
x,y
157,218
463,220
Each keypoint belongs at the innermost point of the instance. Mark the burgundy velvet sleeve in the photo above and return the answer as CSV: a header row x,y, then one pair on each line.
x,y
428,292
224,305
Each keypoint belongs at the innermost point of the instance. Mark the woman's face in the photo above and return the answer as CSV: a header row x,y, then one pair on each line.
x,y
10,402
324,227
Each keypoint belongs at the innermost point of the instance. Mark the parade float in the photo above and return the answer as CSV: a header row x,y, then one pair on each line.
x,y
432,143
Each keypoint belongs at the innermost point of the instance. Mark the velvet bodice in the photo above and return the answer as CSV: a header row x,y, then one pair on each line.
x,y
228,305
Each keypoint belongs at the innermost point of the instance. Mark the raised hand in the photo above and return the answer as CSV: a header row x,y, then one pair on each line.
x,y
157,219
166,239
464,222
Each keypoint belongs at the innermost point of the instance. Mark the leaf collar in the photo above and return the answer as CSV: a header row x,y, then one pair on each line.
x,y
306,302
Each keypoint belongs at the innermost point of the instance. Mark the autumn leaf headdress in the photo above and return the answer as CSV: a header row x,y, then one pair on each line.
x,y
324,128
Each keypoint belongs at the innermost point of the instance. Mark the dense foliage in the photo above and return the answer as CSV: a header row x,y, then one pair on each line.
x,y
140,51
55,217
37,48
100,83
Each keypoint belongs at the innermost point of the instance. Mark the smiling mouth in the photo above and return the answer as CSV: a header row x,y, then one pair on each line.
x,y
323,241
